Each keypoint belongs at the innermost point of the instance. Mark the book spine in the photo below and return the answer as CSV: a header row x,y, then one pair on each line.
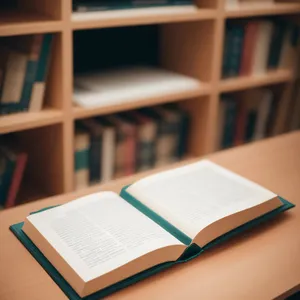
x,y
240,127
14,78
262,115
248,48
95,159
166,143
130,150
184,126
250,125
6,181
108,154
226,52
230,121
39,85
146,146
235,51
279,32
262,48
119,154
81,159
16,180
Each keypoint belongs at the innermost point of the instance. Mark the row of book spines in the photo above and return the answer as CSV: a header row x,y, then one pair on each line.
x,y
257,46
24,76
128,149
83,6
243,121
11,176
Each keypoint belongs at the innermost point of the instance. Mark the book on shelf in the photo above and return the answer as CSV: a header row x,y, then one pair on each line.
x,y
112,146
25,62
125,85
12,166
146,133
100,243
254,47
246,116
82,146
109,133
125,151
105,5
95,164
234,41
228,113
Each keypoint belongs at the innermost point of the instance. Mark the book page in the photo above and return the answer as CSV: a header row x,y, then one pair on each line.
x,y
195,196
99,233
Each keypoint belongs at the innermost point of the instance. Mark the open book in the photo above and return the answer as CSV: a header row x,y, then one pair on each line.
x,y
99,240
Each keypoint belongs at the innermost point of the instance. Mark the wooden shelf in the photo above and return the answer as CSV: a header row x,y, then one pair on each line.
x,y
140,16
260,9
241,83
17,23
81,112
28,120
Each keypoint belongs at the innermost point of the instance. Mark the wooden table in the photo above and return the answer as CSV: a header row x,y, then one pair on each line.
x,y
263,263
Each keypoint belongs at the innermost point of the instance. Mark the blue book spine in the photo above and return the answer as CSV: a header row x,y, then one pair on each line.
x,y
230,123
235,51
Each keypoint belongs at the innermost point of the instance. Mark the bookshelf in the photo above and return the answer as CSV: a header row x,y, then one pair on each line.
x,y
48,135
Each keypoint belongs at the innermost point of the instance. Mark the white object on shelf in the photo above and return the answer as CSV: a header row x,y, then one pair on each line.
x,y
127,85
134,12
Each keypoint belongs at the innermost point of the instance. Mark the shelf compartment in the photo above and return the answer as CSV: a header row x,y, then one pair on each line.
x,y
261,9
140,16
245,82
28,120
24,22
80,112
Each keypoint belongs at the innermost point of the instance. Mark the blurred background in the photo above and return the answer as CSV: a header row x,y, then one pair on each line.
x,y
96,90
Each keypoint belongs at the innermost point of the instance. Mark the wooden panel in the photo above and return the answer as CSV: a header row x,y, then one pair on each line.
x,y
197,108
241,83
140,17
206,3
80,112
68,134
187,48
48,8
20,22
45,157
27,120
261,9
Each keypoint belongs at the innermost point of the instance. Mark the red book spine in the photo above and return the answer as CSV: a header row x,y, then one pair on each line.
x,y
239,135
16,180
248,48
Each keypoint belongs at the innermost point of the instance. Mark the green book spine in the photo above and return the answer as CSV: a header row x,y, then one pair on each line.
x,y
235,51
43,61
82,160
226,51
230,122
6,180
279,31
250,125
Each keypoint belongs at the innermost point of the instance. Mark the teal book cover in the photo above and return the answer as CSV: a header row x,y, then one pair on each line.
x,y
191,252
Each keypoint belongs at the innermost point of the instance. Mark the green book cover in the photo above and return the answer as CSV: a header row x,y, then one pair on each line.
x,y
191,252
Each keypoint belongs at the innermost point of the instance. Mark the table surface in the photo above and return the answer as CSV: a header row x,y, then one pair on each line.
x,y
263,263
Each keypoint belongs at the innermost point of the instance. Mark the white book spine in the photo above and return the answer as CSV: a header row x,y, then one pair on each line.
x,y
14,77
108,154
262,48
